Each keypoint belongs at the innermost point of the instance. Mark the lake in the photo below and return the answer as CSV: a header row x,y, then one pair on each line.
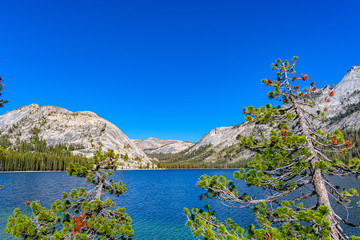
x,y
155,198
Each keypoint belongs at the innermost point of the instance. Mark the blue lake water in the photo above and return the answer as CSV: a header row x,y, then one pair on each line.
x,y
155,198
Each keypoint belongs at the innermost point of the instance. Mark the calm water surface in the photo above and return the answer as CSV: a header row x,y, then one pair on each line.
x,y
155,198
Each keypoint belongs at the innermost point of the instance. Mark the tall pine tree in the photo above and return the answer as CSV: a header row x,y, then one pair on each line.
x,y
291,165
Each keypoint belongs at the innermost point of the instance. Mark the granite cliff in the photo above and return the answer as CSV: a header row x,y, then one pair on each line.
x,y
159,146
83,129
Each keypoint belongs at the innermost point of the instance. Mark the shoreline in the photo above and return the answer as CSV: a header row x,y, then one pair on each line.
x,y
123,170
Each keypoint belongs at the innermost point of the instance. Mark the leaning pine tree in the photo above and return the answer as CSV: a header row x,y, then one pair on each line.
x,y
81,214
291,164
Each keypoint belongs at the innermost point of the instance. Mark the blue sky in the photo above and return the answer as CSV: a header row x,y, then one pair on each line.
x,y
168,69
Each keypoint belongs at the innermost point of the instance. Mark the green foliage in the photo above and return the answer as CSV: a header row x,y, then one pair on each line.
x,y
80,214
2,101
292,157
4,143
205,223
354,137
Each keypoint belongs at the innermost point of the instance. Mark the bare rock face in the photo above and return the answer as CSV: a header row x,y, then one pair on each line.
x,y
343,110
346,93
57,125
223,137
160,146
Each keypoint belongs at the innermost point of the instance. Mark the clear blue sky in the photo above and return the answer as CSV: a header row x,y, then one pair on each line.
x,y
168,69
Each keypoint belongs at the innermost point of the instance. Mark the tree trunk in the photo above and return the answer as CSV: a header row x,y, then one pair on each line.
x,y
317,178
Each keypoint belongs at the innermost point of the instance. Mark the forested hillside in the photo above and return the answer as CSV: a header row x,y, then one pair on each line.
x,y
36,155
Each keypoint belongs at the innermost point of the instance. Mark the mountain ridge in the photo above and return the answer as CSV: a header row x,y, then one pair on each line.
x,y
158,146
343,112
58,125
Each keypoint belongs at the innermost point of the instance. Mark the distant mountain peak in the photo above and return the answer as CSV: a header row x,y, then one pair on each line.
x,y
351,77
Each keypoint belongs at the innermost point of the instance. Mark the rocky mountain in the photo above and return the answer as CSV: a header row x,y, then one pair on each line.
x,y
343,103
160,146
85,130
57,125
344,108
343,112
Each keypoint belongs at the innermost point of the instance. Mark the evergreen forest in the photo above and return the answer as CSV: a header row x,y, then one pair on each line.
x,y
37,155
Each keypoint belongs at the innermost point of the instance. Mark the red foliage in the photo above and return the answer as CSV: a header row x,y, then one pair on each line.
x,y
325,109
269,82
314,88
284,132
27,203
200,196
79,223
334,141
228,191
312,84
304,77
327,99
331,93
348,143
294,78
297,88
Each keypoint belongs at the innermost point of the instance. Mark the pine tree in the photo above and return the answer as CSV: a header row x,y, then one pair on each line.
x,y
81,214
2,101
291,157
3,152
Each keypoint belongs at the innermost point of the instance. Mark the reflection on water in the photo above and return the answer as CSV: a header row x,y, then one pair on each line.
x,y
155,198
